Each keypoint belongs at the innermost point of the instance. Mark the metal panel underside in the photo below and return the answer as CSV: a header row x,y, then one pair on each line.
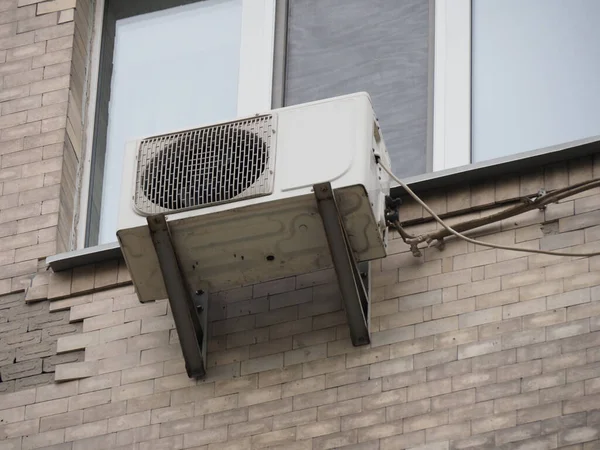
x,y
253,244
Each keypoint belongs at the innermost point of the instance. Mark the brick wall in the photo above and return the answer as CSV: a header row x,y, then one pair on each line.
x,y
43,52
471,347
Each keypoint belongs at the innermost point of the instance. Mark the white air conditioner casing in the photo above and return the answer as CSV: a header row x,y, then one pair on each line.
x,y
267,225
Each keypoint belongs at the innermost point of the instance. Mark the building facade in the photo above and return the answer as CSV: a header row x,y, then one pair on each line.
x,y
471,347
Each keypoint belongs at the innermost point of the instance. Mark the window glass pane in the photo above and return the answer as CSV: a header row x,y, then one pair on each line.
x,y
173,69
338,47
535,69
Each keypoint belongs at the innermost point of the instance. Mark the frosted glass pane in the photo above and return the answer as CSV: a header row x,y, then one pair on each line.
x,y
536,66
173,69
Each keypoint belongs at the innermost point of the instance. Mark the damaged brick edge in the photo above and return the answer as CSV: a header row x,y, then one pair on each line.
x,y
49,285
66,290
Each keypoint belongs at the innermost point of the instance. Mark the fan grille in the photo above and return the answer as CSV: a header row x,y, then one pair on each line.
x,y
205,166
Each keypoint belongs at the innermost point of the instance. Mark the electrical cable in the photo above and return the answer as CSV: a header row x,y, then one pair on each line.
x,y
468,239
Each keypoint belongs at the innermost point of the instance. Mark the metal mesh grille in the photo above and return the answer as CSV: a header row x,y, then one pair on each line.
x,y
205,166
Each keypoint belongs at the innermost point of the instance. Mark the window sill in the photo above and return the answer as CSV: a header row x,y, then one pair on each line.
x,y
85,256
472,173
514,164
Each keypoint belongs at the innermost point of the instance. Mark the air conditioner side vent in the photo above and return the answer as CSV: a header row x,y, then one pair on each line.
x,y
205,166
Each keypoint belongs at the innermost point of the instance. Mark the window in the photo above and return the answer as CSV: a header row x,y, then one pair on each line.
x,y
166,65
513,76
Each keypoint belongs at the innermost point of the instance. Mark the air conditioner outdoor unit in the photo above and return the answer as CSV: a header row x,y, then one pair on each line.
x,y
238,196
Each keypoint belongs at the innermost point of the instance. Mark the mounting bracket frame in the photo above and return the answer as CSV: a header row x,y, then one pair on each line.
x,y
350,279
189,306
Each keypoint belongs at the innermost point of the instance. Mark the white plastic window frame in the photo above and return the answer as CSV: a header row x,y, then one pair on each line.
x,y
254,85
452,84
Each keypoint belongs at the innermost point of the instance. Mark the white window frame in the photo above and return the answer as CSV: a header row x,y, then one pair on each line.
x,y
452,88
254,86
452,84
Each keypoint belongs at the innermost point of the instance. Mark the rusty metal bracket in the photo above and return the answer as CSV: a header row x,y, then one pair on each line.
x,y
354,294
189,306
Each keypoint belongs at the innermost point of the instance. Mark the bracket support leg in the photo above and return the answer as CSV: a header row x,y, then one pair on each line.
x,y
354,294
189,307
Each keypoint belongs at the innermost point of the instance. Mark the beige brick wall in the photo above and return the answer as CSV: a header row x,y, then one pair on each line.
x,y
41,44
43,54
471,347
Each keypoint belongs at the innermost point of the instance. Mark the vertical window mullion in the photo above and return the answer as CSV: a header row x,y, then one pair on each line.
x,y
452,84
256,57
